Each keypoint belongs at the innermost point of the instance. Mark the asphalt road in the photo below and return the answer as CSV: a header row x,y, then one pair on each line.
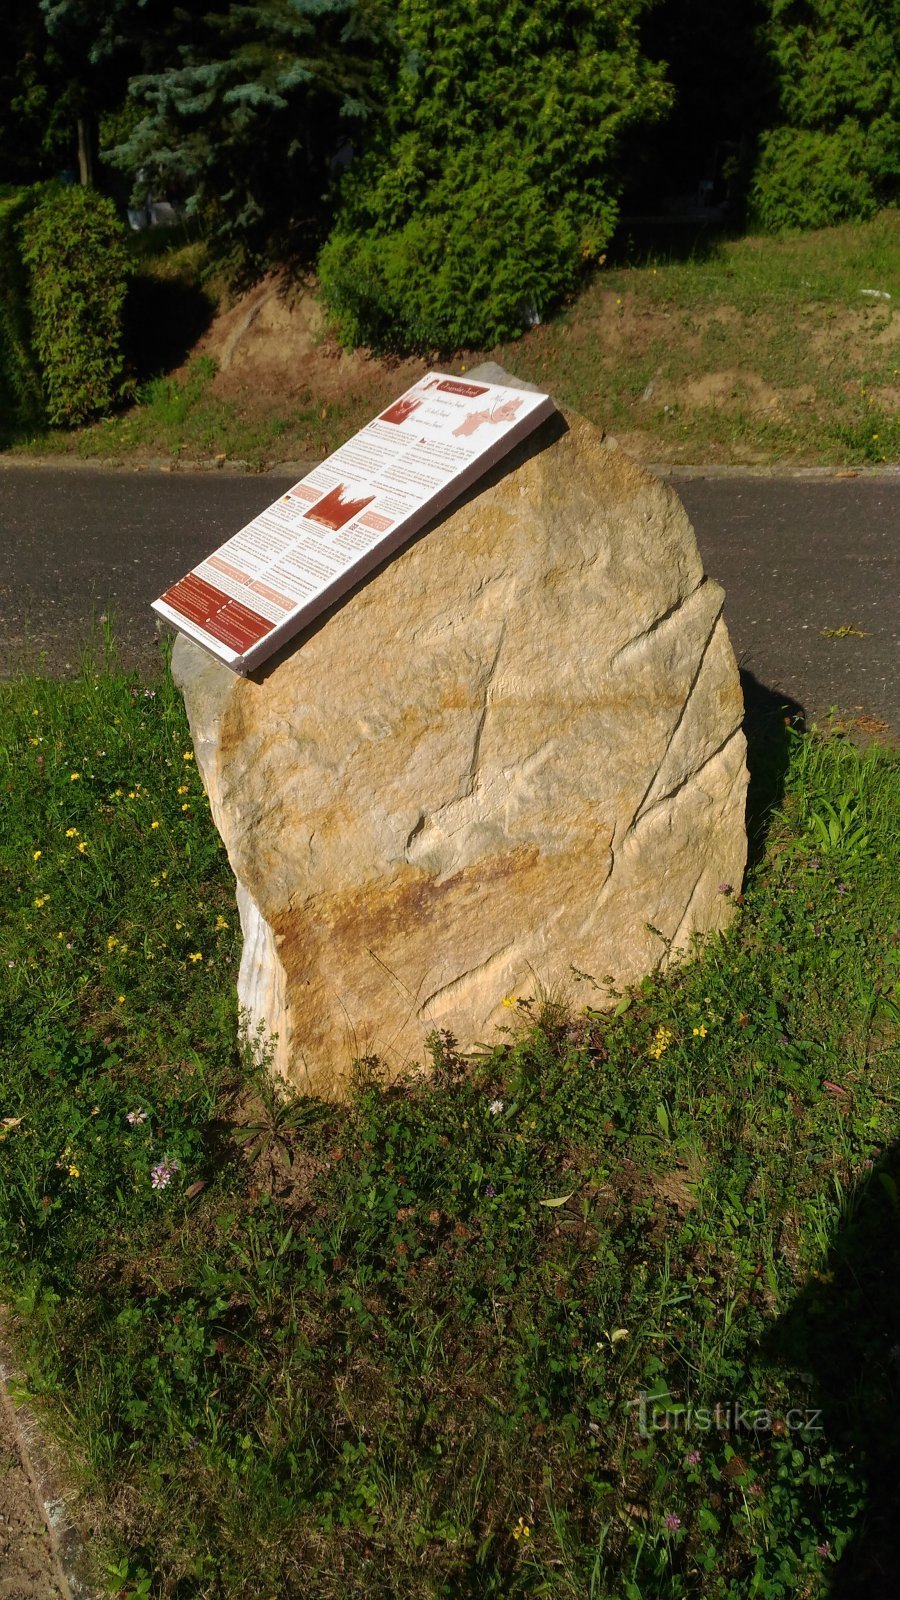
x,y
796,556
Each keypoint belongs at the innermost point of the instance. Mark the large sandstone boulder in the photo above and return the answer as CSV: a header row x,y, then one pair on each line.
x,y
513,754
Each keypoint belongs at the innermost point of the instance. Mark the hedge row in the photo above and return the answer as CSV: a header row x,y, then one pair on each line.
x,y
63,280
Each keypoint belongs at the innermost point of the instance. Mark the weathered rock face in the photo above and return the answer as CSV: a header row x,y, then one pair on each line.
x,y
514,752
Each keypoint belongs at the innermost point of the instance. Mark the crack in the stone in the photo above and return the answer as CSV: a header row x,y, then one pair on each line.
x,y
679,719
657,623
673,946
455,984
689,777
472,774
415,831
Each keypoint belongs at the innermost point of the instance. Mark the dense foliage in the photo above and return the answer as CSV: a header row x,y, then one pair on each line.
x,y
20,385
73,247
243,121
454,169
492,177
835,153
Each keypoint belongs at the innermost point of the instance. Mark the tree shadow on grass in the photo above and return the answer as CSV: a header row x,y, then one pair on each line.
x,y
844,1331
771,721
164,318
646,241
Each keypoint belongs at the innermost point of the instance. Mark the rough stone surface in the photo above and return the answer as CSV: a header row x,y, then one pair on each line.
x,y
510,755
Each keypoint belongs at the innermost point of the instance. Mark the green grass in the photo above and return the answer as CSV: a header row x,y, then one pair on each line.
x,y
398,1347
799,366
180,419
757,351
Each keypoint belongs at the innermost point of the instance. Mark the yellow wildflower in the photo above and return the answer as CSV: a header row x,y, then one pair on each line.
x,y
154,824
220,924
71,833
185,807
74,1172
111,942
121,999
521,1530
74,776
700,1033
82,845
195,955
188,755
182,788
661,1040
37,855
509,1000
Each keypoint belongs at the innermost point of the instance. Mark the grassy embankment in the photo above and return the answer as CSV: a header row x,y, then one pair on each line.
x,y
760,350
398,1348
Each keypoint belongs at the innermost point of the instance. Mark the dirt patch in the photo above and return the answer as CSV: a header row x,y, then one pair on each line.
x,y
847,325
29,1563
274,342
736,389
621,322
44,1549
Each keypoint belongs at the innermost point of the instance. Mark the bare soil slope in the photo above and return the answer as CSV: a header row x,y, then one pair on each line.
x,y
272,346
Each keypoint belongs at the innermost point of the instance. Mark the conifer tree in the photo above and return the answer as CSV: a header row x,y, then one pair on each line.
x,y
244,120
836,152
493,175
96,46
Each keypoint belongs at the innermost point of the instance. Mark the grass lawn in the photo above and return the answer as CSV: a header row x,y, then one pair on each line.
x,y
759,350
481,1334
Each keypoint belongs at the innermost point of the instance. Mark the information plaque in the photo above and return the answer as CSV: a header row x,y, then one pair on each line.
x,y
345,517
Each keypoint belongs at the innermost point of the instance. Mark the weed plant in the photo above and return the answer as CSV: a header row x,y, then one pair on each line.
x,y
610,1309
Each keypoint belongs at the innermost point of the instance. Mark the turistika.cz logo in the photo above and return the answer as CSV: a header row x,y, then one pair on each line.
x,y
655,1413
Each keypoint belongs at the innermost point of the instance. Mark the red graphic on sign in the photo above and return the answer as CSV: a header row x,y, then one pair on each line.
x,y
221,617
333,510
453,386
400,410
505,412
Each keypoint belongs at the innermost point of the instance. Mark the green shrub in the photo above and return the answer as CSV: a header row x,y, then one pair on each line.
x,y
492,177
20,385
810,179
74,249
836,156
